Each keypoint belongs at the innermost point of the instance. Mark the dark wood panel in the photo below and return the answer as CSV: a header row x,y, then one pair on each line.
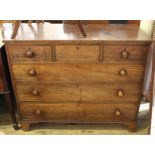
x,y
1,85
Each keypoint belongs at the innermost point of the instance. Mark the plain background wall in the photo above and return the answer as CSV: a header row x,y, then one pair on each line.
x,y
147,26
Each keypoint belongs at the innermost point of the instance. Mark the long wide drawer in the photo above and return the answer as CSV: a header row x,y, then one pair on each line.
x,y
112,92
76,73
73,112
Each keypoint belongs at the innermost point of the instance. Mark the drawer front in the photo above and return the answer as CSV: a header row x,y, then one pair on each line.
x,y
46,111
99,93
30,53
73,112
36,92
80,73
115,93
108,112
125,53
77,53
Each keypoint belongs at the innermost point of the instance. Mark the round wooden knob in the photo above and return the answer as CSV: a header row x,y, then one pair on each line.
x,y
38,112
32,72
77,47
35,92
117,112
120,93
122,72
29,53
125,54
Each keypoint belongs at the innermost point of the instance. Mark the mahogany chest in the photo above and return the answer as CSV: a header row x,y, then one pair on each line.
x,y
61,77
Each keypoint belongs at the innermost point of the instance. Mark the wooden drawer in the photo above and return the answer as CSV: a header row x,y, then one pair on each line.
x,y
46,92
108,112
29,53
77,53
99,93
74,112
125,53
110,92
77,73
46,111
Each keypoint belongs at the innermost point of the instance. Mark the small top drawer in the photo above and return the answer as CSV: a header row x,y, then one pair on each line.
x,y
125,53
77,53
29,53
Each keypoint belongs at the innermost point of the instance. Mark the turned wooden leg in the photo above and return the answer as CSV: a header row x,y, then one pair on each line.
x,y
25,126
132,126
15,28
82,30
11,110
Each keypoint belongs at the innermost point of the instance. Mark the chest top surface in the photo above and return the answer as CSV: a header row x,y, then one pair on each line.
x,y
70,32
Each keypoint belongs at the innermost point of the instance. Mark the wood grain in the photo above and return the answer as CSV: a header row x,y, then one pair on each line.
x,y
77,53
135,53
70,32
77,73
73,112
98,93
39,53
59,76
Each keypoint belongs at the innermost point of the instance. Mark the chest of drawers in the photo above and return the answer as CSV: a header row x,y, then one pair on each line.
x,y
60,77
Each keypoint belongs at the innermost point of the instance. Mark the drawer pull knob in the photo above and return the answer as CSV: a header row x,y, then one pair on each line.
x,y
117,112
120,93
125,54
122,72
77,47
35,92
29,53
32,72
38,112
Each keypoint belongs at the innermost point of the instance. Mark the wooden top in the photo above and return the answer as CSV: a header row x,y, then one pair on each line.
x,y
70,32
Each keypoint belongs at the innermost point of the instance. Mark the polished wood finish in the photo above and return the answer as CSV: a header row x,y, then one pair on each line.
x,y
78,73
29,53
101,21
125,53
119,92
77,53
96,33
59,76
74,112
18,22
